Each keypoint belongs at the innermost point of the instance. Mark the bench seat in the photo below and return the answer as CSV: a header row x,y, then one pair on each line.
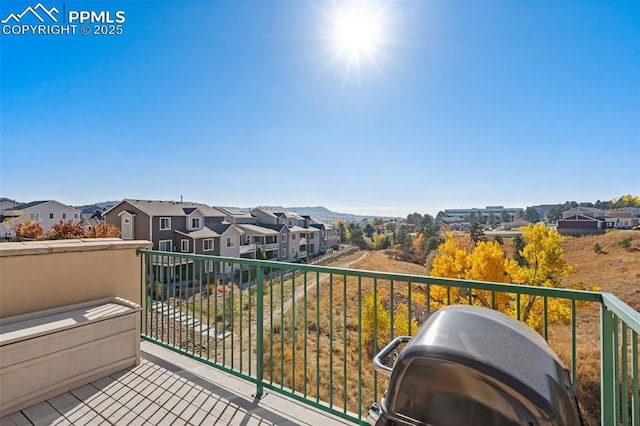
x,y
46,353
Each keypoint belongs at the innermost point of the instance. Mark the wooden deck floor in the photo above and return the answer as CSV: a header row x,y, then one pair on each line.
x,y
169,389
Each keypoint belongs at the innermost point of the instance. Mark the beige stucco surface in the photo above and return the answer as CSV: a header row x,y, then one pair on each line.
x,y
47,274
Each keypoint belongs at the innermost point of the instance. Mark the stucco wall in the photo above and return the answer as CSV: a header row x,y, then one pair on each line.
x,y
46,274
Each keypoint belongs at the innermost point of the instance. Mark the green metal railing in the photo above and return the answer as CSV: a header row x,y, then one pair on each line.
x,y
310,331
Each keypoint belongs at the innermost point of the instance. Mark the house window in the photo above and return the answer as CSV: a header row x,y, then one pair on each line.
x,y
284,253
293,237
290,222
208,266
283,238
165,245
75,215
50,215
165,223
34,216
195,223
207,245
184,246
64,215
231,241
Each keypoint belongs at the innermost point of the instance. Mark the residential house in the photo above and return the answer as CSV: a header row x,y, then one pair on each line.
x,y
232,242
298,243
329,236
167,224
284,241
303,240
264,237
238,216
580,224
275,217
621,219
47,213
591,212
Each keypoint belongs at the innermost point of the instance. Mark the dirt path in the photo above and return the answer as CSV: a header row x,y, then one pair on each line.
x,y
299,294
237,352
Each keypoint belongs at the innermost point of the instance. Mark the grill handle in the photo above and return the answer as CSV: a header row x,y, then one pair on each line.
x,y
377,360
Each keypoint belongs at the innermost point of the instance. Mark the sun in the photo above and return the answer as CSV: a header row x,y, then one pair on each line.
x,y
357,34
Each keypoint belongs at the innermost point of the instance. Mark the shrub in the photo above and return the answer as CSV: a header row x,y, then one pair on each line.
x,y
625,243
29,230
597,248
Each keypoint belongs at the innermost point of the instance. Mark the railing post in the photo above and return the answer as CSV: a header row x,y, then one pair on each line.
x,y
259,331
607,372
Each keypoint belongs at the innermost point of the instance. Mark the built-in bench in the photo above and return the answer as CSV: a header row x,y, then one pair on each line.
x,y
46,353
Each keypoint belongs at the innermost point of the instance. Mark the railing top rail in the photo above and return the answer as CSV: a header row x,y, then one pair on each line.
x,y
578,295
622,310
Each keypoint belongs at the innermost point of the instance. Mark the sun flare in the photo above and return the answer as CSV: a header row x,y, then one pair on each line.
x,y
357,34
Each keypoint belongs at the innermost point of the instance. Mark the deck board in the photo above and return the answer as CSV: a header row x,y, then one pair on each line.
x,y
169,389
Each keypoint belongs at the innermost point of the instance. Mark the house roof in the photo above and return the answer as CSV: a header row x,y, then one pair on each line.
x,y
37,203
171,208
280,213
276,227
256,229
200,233
221,228
235,212
299,229
580,217
29,204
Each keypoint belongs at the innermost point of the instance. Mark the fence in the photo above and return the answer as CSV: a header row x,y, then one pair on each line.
x,y
310,331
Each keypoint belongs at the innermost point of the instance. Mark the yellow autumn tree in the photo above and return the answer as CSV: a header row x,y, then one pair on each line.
x,y
488,262
401,321
450,262
376,324
544,266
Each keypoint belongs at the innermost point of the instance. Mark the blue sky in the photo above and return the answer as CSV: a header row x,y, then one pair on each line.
x,y
245,103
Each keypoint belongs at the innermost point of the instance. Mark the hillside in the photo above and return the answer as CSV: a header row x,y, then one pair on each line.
x,y
613,268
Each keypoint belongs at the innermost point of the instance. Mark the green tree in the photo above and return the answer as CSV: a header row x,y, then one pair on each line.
x,y
391,227
504,216
357,237
475,232
378,221
369,229
403,239
491,219
531,215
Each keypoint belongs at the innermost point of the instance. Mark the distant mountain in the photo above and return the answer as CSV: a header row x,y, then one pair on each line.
x,y
91,208
323,214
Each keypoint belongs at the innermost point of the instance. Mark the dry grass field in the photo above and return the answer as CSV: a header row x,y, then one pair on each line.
x,y
614,268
